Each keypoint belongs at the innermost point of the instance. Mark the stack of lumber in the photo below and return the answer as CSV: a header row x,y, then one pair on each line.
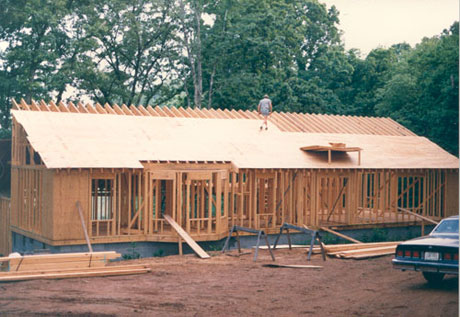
x,y
65,265
355,251
361,250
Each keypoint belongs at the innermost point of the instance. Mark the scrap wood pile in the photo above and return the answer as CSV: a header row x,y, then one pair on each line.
x,y
64,265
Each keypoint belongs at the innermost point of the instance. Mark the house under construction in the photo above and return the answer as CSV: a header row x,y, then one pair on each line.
x,y
127,167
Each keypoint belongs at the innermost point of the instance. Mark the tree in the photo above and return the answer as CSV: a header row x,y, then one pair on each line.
x,y
189,16
422,92
128,48
256,47
39,43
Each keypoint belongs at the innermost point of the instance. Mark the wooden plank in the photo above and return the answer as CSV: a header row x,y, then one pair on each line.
x,y
357,246
390,248
293,266
80,108
62,257
34,106
91,109
15,105
44,106
340,235
100,109
53,107
109,109
126,110
368,256
99,272
117,109
61,265
285,246
53,261
292,122
183,112
184,235
176,112
157,111
418,216
143,111
70,270
135,111
70,106
166,111
84,226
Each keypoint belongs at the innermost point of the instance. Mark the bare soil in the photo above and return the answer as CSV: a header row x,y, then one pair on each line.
x,y
230,285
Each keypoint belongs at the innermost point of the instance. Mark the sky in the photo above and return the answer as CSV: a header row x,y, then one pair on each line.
x,y
368,24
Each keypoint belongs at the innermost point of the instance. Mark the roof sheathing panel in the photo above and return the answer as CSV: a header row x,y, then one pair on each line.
x,y
68,140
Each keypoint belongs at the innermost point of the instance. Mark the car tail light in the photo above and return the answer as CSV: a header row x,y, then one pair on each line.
x,y
456,257
407,253
415,254
447,256
400,253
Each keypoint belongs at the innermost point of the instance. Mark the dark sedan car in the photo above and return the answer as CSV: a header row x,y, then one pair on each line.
x,y
434,255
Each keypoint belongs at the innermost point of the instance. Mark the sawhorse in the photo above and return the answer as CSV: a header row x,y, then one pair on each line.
x,y
259,233
314,236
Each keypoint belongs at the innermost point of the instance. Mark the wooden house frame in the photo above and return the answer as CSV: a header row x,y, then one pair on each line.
x,y
209,183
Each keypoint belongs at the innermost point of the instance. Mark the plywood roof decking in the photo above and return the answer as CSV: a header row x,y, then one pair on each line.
x,y
285,121
323,148
70,140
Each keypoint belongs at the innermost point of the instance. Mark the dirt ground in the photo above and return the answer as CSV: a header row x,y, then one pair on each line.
x,y
228,285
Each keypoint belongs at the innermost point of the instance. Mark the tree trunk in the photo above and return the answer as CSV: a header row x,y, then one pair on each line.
x,y
211,82
199,74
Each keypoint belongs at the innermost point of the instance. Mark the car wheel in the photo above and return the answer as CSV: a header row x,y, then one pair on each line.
x,y
433,278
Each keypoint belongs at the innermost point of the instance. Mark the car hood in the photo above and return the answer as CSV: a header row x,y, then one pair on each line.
x,y
437,240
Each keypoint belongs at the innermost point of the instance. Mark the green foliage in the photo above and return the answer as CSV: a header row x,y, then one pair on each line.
x,y
422,90
158,253
133,255
328,238
379,235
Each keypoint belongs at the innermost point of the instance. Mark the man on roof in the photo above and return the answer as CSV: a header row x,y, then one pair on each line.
x,y
265,108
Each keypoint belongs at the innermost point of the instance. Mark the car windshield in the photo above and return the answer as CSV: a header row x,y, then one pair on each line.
x,y
447,226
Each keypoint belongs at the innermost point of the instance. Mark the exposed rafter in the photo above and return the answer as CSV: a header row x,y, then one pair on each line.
x,y
285,121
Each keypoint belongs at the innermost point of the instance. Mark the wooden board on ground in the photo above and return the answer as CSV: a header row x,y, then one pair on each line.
x,y
356,246
72,270
365,251
184,235
63,260
293,266
285,246
87,273
368,256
